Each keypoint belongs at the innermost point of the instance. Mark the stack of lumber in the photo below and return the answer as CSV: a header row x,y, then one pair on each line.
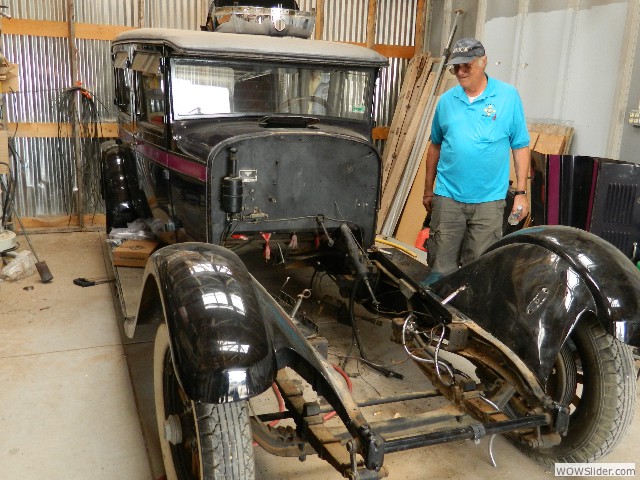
x,y
405,121
410,109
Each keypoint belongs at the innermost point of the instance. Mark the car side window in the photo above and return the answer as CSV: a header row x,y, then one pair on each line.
x,y
122,78
150,89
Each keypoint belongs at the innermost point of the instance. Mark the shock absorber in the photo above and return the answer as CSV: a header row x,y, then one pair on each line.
x,y
356,261
232,188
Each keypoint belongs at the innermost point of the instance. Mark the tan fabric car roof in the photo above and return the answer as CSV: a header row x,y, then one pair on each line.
x,y
254,46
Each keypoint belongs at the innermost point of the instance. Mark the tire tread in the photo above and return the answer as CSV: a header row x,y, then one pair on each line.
x,y
226,441
611,421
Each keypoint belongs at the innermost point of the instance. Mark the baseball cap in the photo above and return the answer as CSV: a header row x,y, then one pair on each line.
x,y
465,50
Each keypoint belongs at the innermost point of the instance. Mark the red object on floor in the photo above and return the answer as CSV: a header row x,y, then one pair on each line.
x,y
423,235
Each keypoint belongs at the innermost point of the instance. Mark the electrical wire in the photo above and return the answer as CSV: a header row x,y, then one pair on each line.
x,y
7,201
355,339
10,186
408,327
396,245
369,362
78,105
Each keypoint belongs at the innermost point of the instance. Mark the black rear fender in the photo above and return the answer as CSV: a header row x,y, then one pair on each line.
x,y
124,200
532,287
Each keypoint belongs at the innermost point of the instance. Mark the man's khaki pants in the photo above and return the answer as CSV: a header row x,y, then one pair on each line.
x,y
461,232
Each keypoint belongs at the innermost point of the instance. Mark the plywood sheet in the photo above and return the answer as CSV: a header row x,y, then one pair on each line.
x,y
414,213
550,144
550,132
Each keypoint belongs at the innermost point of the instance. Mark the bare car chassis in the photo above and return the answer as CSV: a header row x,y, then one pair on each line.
x,y
224,146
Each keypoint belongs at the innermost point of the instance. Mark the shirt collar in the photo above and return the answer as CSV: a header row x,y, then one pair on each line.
x,y
489,91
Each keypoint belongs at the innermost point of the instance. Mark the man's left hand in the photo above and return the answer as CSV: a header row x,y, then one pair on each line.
x,y
523,201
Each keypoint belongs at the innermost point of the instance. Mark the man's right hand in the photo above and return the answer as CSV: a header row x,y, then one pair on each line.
x,y
426,201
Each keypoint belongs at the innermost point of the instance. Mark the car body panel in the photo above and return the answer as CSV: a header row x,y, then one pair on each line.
x,y
531,288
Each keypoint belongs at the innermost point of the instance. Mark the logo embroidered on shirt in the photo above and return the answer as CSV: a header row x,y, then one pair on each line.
x,y
490,111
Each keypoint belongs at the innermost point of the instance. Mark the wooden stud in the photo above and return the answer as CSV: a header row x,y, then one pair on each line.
x,y
371,23
421,9
61,223
4,152
395,51
73,66
319,19
380,133
46,28
141,13
53,130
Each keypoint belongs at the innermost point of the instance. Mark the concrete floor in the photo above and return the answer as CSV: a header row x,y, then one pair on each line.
x,y
76,400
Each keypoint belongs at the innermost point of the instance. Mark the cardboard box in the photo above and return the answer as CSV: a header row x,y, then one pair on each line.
x,y
133,253
9,77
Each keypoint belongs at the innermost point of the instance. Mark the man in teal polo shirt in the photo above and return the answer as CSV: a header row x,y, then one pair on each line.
x,y
475,126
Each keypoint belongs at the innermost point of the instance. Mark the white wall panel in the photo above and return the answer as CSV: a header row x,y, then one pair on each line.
x,y
565,59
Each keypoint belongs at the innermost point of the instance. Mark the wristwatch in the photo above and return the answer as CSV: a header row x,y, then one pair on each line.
x,y
520,192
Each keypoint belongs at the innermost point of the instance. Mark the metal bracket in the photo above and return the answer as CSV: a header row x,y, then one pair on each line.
x,y
478,432
373,446
561,423
458,337
351,448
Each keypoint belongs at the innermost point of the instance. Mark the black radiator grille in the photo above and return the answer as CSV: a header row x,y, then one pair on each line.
x,y
619,204
621,240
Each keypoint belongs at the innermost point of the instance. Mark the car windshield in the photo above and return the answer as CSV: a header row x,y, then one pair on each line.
x,y
205,88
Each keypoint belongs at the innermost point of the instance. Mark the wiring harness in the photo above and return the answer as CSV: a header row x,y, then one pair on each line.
x,y
82,155
7,190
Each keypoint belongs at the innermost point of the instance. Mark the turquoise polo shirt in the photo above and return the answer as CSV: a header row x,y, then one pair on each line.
x,y
475,141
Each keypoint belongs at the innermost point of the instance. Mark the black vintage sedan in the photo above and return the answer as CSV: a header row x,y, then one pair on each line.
x,y
229,139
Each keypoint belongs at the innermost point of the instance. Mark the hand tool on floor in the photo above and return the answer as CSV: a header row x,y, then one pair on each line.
x,y
42,267
90,282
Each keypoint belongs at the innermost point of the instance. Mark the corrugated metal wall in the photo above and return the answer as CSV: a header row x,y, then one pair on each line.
x,y
41,176
187,14
37,10
396,26
44,177
106,12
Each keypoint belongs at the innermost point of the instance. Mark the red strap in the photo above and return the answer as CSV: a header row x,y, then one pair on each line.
x,y
267,249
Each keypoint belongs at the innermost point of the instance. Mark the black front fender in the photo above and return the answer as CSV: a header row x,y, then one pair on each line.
x,y
221,347
531,288
229,337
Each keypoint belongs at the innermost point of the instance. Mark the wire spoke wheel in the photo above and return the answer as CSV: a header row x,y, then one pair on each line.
x,y
199,441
